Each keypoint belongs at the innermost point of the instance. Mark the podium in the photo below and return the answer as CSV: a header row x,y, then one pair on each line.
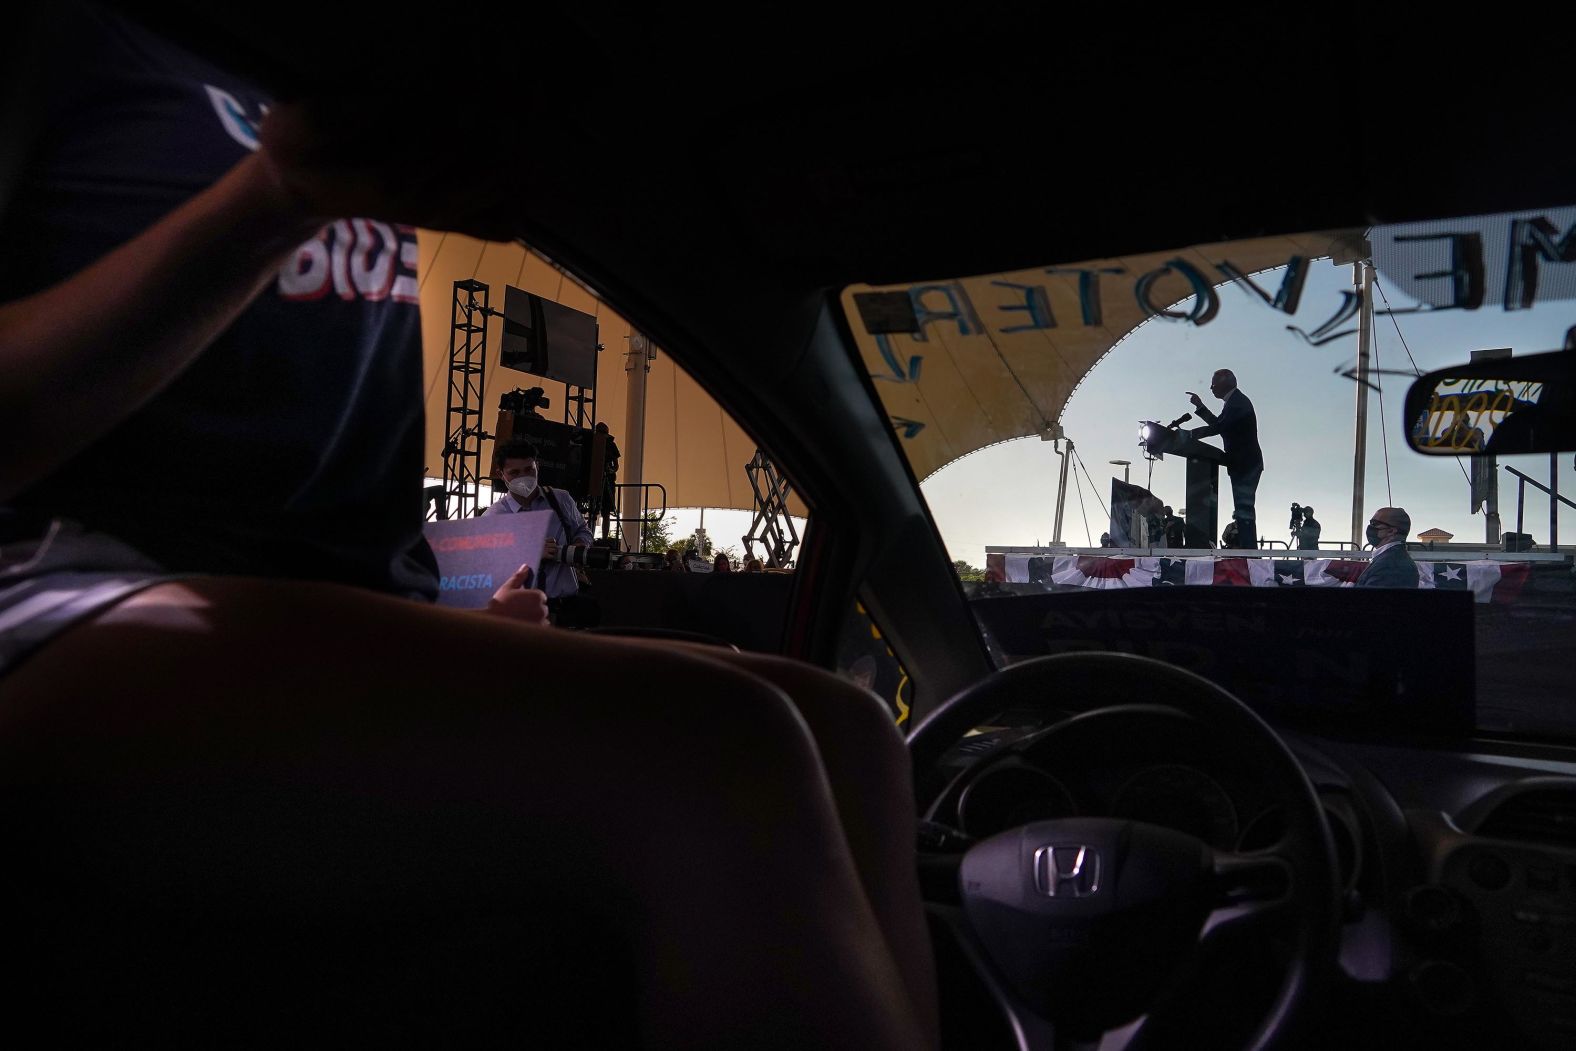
x,y
1202,520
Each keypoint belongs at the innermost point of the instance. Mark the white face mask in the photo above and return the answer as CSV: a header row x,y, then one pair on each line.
x,y
523,487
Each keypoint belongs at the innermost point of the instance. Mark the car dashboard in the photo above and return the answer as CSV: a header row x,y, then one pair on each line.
x,y
1457,868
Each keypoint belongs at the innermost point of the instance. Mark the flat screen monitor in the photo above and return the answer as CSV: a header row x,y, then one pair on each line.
x,y
548,339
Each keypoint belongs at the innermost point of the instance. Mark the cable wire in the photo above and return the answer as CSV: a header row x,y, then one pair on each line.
x,y
1095,489
1391,314
1384,428
1088,539
1415,370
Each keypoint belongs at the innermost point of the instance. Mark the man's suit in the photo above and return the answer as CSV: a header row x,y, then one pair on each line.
x,y
1238,427
1392,567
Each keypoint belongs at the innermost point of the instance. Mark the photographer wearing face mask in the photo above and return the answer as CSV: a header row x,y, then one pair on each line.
x,y
517,464
1391,565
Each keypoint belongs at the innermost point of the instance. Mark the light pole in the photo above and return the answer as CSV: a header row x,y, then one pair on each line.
x,y
637,363
1124,465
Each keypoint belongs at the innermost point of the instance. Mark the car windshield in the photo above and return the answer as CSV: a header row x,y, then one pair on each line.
x,y
1050,416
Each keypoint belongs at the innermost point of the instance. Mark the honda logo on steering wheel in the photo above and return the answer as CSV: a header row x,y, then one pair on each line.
x,y
1067,871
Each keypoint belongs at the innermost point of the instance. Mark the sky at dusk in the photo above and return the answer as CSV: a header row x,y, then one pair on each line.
x,y
1006,494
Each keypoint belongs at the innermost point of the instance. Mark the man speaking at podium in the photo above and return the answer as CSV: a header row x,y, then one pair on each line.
x,y
1238,428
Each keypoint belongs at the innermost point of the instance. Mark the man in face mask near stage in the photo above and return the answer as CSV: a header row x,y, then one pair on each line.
x,y
1391,565
518,464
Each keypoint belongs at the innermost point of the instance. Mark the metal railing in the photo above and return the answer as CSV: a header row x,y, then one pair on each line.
x,y
645,515
1554,504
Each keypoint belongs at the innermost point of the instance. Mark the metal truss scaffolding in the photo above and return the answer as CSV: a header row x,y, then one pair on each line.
x,y
580,406
462,450
771,525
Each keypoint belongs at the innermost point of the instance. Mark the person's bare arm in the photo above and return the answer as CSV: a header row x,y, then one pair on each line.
x,y
78,358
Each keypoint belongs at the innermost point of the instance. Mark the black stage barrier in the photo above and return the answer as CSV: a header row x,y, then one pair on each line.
x,y
746,609
1380,659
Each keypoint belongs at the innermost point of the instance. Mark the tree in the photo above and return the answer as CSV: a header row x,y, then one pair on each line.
x,y
966,571
654,538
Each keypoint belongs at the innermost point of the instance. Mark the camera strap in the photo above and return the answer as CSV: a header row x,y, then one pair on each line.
x,y
552,500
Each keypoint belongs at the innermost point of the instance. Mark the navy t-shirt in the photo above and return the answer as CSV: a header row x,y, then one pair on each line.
x,y
293,446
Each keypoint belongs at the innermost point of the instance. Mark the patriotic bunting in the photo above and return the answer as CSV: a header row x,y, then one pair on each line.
x,y
1488,581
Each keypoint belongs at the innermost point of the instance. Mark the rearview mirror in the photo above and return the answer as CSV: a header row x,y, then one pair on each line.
x,y
1496,408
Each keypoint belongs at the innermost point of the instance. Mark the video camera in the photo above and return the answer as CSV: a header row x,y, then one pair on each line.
x,y
523,401
1305,529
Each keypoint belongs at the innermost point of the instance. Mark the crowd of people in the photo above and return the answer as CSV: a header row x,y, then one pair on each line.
x,y
688,559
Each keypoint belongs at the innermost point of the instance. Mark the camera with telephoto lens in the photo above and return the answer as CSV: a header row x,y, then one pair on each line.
x,y
1296,517
606,554
594,557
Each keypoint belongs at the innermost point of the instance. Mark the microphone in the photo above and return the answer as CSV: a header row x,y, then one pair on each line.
x,y
1179,421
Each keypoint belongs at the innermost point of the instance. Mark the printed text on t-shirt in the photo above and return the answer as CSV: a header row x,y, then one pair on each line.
x,y
357,258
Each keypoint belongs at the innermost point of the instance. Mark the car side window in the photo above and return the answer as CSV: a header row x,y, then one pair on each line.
x,y
864,657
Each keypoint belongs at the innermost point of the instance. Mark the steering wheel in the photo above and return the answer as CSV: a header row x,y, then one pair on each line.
x,y
1082,925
